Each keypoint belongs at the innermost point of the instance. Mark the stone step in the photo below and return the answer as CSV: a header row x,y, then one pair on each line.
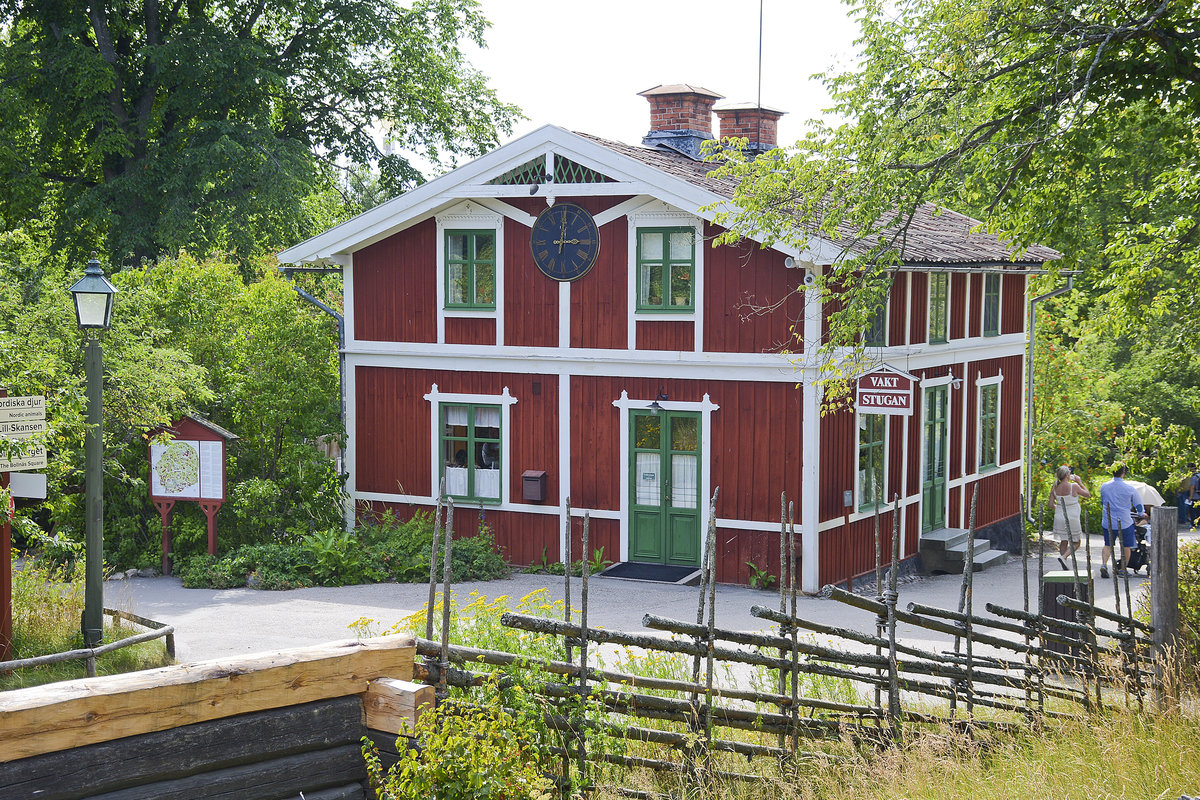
x,y
942,539
992,558
946,552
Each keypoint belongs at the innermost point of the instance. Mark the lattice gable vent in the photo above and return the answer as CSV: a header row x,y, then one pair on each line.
x,y
534,171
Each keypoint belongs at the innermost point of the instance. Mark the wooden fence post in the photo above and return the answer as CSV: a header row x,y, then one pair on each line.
x,y
1164,598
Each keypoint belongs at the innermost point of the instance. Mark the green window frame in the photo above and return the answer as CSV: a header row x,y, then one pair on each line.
x,y
872,459
470,269
471,451
939,307
876,334
989,425
991,305
666,269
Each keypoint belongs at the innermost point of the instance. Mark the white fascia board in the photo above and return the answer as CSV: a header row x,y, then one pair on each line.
x,y
630,175
610,363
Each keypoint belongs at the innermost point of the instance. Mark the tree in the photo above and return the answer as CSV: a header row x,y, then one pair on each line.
x,y
208,124
1009,110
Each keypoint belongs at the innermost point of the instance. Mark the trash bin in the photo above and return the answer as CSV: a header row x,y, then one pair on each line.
x,y
1063,583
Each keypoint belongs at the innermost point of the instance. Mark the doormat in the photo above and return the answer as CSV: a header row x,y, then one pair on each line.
x,y
658,573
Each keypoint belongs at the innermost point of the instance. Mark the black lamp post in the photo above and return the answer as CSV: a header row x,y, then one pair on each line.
x,y
93,295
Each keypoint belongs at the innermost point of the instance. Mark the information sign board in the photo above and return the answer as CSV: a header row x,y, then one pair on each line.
x,y
18,409
187,469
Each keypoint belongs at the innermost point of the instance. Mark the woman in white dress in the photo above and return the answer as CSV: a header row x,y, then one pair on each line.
x,y
1067,526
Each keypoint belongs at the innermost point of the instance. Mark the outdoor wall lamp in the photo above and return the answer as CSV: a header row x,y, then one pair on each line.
x,y
655,407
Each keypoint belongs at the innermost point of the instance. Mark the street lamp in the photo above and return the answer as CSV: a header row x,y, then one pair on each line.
x,y
93,295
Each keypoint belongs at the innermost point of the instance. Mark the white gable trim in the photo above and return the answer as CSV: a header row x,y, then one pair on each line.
x,y
629,177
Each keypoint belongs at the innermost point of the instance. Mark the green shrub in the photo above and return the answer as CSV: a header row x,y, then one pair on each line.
x,y
401,550
388,550
477,751
1189,602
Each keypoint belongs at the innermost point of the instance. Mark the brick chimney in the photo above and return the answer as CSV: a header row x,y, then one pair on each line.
x,y
680,117
758,124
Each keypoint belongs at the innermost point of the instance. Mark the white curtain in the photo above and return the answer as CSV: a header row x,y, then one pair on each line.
x,y
456,415
487,483
456,480
683,478
486,417
647,479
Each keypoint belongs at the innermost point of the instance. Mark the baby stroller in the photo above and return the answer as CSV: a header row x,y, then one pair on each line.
x,y
1139,556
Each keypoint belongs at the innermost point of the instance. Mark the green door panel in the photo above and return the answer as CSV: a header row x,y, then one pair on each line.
x,y
664,480
934,442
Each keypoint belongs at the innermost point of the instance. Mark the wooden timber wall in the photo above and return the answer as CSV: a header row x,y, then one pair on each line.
x,y
260,728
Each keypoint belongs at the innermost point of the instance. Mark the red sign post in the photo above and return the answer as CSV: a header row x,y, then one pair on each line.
x,y
886,390
189,465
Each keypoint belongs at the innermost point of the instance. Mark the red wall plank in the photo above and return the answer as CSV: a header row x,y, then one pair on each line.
x,y
958,306
395,287
975,323
918,329
1012,304
470,330
664,335
530,298
393,439
599,304
739,278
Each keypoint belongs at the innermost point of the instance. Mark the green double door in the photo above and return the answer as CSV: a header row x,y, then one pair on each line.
x,y
933,485
664,487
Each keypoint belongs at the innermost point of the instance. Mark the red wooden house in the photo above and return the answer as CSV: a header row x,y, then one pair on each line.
x,y
487,342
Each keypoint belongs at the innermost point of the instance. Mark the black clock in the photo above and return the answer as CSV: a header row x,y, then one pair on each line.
x,y
564,241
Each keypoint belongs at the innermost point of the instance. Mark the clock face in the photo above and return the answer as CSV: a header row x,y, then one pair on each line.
x,y
564,241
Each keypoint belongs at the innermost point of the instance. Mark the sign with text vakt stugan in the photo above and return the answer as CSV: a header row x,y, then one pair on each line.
x,y
885,391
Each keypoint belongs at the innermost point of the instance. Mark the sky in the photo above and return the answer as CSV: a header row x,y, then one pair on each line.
x,y
580,65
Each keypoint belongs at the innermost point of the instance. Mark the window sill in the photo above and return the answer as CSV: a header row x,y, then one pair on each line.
x,y
663,313
487,501
986,468
469,313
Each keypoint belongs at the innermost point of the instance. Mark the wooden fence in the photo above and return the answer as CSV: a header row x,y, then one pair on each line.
x,y
1006,668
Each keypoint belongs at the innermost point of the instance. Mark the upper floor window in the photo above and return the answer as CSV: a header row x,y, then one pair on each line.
x,y
989,425
872,459
876,335
470,258
939,307
991,305
470,446
666,269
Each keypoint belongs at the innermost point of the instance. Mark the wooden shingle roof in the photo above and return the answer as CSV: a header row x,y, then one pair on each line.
x,y
934,237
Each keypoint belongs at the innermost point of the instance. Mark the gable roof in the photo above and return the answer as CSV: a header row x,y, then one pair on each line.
x,y
935,237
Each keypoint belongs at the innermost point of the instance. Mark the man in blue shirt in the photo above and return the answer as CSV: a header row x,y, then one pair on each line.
x,y
1118,500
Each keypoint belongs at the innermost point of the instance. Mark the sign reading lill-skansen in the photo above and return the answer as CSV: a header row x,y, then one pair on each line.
x,y
886,390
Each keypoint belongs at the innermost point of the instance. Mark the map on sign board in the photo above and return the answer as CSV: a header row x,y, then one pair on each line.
x,y
186,469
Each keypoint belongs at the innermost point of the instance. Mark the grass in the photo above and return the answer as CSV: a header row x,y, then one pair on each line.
x,y
47,605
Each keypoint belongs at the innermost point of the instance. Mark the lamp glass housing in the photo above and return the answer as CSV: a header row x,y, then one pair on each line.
x,y
93,295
